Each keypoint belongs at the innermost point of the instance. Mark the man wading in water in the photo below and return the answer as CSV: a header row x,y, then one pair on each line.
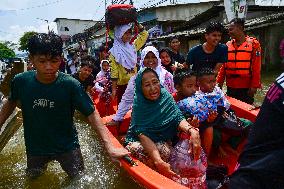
x,y
48,99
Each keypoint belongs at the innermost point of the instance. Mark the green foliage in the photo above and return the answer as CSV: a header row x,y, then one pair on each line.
x,y
24,40
6,52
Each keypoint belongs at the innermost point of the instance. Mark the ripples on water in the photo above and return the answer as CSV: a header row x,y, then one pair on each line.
x,y
99,172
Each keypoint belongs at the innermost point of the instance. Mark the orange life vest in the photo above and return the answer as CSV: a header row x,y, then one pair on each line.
x,y
239,60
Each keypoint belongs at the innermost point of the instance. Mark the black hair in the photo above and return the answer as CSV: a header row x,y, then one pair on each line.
x,y
214,27
89,58
147,70
168,51
205,72
181,74
46,44
88,61
238,21
165,49
88,64
173,37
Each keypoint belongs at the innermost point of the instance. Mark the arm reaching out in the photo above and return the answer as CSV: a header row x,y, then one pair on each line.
x,y
96,122
151,148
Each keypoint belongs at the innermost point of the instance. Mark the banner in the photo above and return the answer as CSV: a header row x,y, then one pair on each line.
x,y
235,9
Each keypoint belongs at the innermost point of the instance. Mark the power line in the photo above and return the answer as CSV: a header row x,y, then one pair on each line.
x,y
42,5
153,5
102,2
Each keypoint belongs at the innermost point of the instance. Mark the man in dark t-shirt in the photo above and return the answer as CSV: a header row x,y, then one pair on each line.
x,y
262,161
210,54
48,100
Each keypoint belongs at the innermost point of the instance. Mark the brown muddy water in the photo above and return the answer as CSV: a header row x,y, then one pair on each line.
x,y
99,173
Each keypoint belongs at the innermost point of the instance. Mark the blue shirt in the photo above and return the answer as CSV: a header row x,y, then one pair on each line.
x,y
198,58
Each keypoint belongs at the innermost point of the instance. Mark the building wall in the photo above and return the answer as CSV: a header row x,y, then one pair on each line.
x,y
74,26
181,12
269,38
271,44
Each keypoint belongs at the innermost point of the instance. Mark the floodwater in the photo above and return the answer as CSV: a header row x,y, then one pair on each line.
x,y
99,173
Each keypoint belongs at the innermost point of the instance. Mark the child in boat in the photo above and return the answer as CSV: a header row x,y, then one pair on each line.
x,y
209,105
103,86
185,84
123,57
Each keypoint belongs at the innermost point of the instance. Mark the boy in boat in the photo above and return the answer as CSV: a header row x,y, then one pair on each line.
x,y
185,84
48,99
210,106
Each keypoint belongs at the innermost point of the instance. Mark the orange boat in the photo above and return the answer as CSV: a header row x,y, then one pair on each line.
x,y
148,177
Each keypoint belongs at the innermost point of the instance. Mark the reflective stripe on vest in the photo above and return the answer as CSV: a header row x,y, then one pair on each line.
x,y
239,60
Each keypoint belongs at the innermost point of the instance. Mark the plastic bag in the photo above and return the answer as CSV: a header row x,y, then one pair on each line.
x,y
192,173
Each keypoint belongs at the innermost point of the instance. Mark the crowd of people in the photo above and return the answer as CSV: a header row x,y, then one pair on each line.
x,y
168,94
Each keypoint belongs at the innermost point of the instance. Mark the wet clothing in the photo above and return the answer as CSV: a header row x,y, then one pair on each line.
x,y
71,162
89,82
198,58
48,112
261,163
158,120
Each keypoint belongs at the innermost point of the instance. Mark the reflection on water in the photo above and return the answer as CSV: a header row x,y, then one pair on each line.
x,y
100,172
266,80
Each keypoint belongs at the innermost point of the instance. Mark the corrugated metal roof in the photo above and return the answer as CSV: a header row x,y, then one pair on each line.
x,y
249,25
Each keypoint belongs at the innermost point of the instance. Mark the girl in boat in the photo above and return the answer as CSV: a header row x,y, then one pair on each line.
x,y
149,58
103,86
155,122
123,57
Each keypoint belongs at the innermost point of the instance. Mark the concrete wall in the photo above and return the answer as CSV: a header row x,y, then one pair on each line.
x,y
75,26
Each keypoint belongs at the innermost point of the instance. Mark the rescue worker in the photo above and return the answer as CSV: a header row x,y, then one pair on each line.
x,y
242,71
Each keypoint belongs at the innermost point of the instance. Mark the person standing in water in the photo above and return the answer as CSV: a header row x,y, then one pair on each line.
x,y
48,99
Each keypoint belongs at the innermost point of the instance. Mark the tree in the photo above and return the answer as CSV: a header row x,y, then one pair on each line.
x,y
24,40
6,52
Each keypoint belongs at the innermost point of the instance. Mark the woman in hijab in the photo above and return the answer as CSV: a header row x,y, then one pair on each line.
x,y
155,122
123,57
149,58
103,86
